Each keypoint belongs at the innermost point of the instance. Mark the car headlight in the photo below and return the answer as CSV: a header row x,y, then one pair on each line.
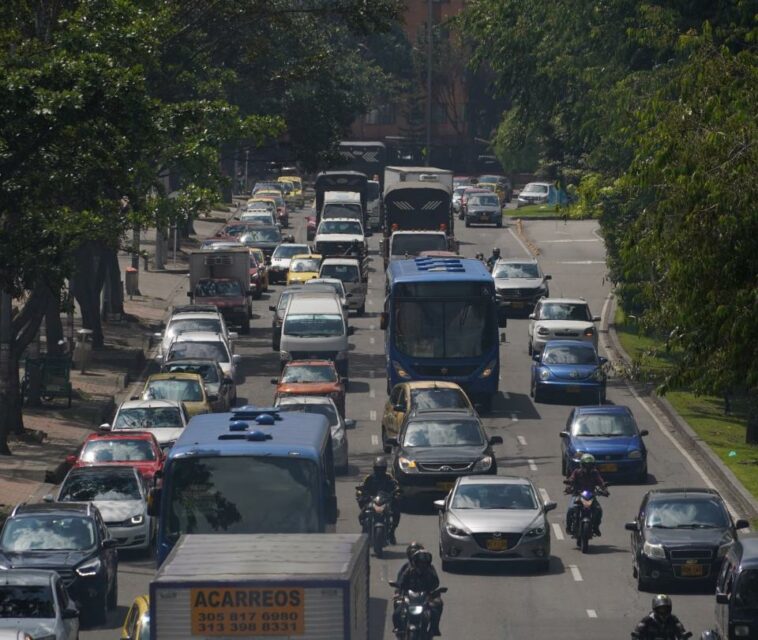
x,y
135,520
724,549
634,454
544,374
535,532
399,370
284,355
456,531
487,372
543,331
653,550
89,569
483,464
407,465
4,567
597,374
741,631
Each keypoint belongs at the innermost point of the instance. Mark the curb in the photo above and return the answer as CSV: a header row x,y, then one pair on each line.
x,y
742,498
533,248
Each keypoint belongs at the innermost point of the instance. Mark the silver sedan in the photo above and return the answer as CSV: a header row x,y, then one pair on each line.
x,y
494,519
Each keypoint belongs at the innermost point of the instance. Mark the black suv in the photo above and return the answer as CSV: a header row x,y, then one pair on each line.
x,y
681,535
69,538
737,593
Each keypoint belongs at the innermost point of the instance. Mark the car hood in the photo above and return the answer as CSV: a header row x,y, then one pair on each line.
x,y
165,434
571,371
145,467
338,237
558,325
119,510
686,537
602,445
518,283
281,262
445,454
35,627
503,520
43,559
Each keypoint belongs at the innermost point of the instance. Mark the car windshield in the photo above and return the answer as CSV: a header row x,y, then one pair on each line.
x,y
313,325
444,398
347,273
158,417
309,373
604,425
26,601
261,235
179,390
346,227
212,495
235,230
533,188
565,311
520,270
47,533
180,325
686,513
483,201
746,594
326,410
494,496
569,355
207,370
97,486
218,289
286,251
414,243
117,450
341,210
442,434
211,350
302,265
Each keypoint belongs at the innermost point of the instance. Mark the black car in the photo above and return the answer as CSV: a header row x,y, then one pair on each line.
x,y
434,449
737,593
69,538
681,535
264,237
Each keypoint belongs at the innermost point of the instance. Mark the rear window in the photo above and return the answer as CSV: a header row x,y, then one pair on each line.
x,y
345,272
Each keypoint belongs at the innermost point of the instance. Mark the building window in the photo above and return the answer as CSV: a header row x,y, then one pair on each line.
x,y
383,114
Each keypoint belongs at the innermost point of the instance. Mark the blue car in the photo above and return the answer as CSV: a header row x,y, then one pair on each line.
x,y
570,367
609,433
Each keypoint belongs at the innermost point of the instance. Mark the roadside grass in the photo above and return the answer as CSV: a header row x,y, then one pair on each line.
x,y
534,210
725,435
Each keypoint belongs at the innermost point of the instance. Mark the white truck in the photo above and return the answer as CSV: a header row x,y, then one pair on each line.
x,y
222,278
306,586
396,175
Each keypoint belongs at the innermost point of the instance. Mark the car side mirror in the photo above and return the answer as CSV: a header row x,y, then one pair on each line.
x,y
644,432
154,501
392,442
383,321
548,277
236,358
70,613
189,295
348,295
159,357
532,316
233,335
271,307
48,498
632,526
393,584
603,360
595,318
274,380
158,335
722,598
398,407
134,398
349,424
564,434
105,427
439,504
110,543
213,397
741,524
70,459
536,357
496,440
550,506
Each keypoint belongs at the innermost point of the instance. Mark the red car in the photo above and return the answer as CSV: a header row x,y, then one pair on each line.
x,y
311,377
138,449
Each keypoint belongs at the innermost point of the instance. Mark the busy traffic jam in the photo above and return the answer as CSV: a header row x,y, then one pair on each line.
x,y
379,413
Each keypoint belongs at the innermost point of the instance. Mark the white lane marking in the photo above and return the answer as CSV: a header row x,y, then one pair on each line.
x,y
591,613
514,417
520,241
371,374
372,415
575,573
582,262
372,327
372,340
562,240
544,494
557,531
521,440
369,302
532,465
596,233
374,441
372,393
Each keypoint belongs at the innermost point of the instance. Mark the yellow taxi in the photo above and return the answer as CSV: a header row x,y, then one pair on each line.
x,y
269,203
260,258
303,267
419,396
137,622
297,189
187,388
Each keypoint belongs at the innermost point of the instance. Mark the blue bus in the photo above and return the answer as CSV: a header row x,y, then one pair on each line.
x,y
441,322
254,470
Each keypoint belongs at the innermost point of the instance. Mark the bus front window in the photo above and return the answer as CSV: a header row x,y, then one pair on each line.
x,y
243,494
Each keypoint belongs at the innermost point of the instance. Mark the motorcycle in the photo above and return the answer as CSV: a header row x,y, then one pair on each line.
x,y
415,616
580,518
376,520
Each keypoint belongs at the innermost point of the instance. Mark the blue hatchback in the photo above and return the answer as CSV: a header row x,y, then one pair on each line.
x,y
571,367
611,435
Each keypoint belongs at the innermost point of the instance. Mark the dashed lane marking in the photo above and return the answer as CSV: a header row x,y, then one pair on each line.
x,y
372,393
521,440
557,531
372,340
514,417
374,441
520,241
544,494
372,415
591,613
532,465
575,573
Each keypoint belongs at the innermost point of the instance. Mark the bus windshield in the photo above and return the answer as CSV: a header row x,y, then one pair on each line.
x,y
212,495
444,329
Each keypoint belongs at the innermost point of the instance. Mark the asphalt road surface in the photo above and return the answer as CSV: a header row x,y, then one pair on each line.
x,y
588,597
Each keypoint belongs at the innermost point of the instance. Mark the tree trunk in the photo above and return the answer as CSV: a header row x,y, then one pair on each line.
x,y
86,286
54,326
6,370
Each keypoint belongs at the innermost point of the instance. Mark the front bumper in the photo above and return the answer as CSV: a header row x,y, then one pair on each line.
x,y
484,217
277,274
621,467
518,548
570,387
681,570
424,483
136,537
519,298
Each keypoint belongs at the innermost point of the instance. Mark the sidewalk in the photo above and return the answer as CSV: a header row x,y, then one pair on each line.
x,y
34,468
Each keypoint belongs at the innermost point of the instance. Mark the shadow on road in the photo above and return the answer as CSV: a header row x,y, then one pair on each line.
x,y
377,616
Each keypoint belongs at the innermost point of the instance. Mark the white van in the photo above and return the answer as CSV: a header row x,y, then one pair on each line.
x,y
342,204
350,272
315,328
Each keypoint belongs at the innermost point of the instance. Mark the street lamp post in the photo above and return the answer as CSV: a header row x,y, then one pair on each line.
x,y
428,82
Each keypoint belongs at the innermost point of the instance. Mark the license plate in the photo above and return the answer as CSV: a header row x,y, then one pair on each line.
x,y
496,544
692,570
573,389
517,305
607,468
445,486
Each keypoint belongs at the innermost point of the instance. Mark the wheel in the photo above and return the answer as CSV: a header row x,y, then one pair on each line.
x,y
467,223
642,583
499,224
97,612
529,348
486,404
362,309
258,294
538,394
584,539
245,326
642,476
564,467
385,447
113,593
377,544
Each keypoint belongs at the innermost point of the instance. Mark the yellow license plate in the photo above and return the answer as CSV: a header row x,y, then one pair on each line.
x,y
517,305
607,468
445,486
692,570
496,544
573,389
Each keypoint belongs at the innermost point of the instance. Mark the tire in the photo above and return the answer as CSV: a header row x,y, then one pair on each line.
x,y
642,476
362,309
529,348
467,223
486,404
385,447
564,467
584,540
538,395
258,294
97,612
113,593
499,224
245,326
643,584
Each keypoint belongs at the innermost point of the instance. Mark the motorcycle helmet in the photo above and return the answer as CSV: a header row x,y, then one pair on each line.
x,y
380,465
422,559
587,461
662,606
587,495
496,252
412,548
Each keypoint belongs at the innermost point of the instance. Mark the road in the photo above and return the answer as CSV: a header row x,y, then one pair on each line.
x,y
592,597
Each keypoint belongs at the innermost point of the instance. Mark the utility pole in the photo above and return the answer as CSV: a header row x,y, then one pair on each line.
x,y
6,367
428,82
247,185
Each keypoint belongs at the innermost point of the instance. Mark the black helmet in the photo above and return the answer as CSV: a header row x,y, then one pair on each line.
x,y
662,605
380,464
412,548
496,251
422,559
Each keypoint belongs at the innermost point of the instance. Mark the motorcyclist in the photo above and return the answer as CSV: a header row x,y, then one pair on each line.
x,y
660,623
372,485
585,478
493,258
420,576
410,550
